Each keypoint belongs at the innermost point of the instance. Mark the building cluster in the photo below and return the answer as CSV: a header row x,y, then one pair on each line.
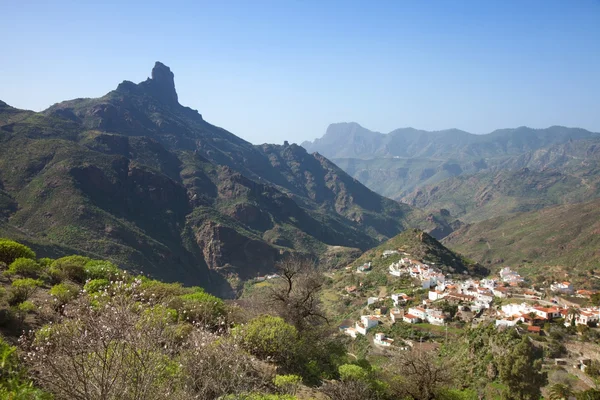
x,y
428,276
472,298
511,314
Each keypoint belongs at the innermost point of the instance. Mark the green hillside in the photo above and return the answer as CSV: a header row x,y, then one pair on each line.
x,y
551,241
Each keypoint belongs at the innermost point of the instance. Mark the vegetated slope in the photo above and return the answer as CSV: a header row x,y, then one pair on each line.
x,y
350,140
558,174
139,178
567,236
420,246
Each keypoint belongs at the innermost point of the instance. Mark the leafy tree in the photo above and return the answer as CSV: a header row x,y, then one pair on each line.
x,y
559,391
352,372
24,267
10,251
521,372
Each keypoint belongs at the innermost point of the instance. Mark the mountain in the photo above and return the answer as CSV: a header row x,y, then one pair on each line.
x,y
555,240
136,177
558,174
350,140
421,246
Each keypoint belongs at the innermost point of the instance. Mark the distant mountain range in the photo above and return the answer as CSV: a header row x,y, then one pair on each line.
x,y
350,140
136,177
473,176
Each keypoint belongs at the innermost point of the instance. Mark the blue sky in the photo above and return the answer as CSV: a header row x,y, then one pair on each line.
x,y
270,71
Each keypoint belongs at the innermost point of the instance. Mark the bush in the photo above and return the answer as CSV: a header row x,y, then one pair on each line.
x,y
10,251
24,267
21,290
96,285
287,384
351,372
23,309
100,269
202,308
63,293
160,290
71,268
13,382
269,338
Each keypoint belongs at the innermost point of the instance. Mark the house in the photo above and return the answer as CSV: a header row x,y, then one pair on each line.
x,y
366,322
500,292
534,329
562,287
352,332
399,298
350,289
396,314
436,317
381,340
410,319
365,268
372,300
507,322
395,269
547,313
436,295
418,312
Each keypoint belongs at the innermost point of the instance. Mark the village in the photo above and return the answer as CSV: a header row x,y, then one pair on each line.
x,y
505,300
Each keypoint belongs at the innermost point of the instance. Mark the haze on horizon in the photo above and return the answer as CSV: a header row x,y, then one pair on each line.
x,y
270,71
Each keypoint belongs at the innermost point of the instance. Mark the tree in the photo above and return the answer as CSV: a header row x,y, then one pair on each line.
x,y
10,251
573,313
419,376
559,391
296,296
521,372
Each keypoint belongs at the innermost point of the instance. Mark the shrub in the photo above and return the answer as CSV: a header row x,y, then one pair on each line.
x,y
23,309
100,269
13,382
351,372
160,290
10,251
96,285
21,290
24,267
287,384
63,293
71,267
202,308
269,337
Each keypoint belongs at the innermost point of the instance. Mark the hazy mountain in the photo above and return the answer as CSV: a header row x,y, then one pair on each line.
x,y
139,178
350,140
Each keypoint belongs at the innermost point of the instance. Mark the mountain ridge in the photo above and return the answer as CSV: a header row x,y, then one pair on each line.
x,y
136,177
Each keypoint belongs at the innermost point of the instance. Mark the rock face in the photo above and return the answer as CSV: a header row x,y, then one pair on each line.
x,y
136,177
163,82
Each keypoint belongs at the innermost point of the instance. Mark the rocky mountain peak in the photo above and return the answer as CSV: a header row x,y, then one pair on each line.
x,y
162,83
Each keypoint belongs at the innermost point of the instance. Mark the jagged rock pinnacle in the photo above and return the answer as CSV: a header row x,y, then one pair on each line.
x,y
164,82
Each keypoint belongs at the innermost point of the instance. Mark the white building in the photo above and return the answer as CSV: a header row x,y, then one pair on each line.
x,y
366,322
562,287
381,340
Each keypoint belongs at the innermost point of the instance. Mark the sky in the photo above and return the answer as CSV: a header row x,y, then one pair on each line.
x,y
270,71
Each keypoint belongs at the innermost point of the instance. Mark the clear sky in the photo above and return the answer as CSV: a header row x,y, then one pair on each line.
x,y
279,70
